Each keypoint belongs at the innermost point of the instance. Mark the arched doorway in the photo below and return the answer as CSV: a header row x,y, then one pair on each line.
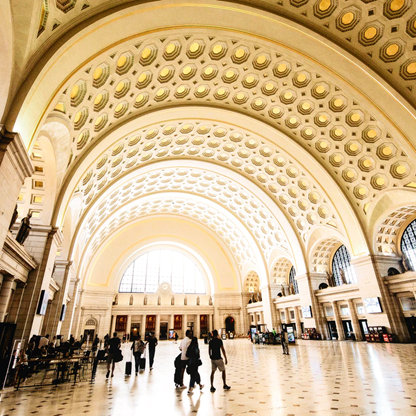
x,y
229,324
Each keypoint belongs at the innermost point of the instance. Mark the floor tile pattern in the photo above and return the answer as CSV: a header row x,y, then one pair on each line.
x,y
317,378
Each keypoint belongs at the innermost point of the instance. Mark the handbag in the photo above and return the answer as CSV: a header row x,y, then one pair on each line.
x,y
118,356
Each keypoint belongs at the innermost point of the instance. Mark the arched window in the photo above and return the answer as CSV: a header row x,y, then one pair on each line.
x,y
147,272
341,261
292,279
408,243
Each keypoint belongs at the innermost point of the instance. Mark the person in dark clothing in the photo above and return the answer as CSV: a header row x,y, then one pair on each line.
x,y
194,362
137,347
215,348
284,342
112,349
152,341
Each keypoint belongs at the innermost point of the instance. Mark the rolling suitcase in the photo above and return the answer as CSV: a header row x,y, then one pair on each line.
x,y
177,377
101,355
128,368
142,361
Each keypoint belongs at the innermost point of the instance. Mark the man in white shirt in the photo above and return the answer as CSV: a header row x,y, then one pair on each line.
x,y
44,341
184,347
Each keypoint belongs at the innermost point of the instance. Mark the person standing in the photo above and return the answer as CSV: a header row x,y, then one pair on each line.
x,y
215,348
194,362
184,347
283,340
152,341
44,341
137,347
112,349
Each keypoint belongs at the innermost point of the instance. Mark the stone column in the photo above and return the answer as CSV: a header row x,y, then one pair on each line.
x,y
269,312
414,294
298,323
210,323
171,321
143,327
62,278
128,327
371,271
338,322
184,324
113,325
325,333
197,325
15,167
42,244
354,320
157,326
308,283
5,294
287,315
71,307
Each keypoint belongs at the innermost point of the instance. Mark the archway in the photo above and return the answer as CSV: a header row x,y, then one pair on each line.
x,y
229,324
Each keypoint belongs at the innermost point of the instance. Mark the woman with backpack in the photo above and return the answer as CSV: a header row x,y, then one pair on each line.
x,y
194,362
137,347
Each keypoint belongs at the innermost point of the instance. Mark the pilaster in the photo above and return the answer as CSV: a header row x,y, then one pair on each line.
x,y
370,271
15,167
44,252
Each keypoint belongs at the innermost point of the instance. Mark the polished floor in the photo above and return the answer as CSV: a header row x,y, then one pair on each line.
x,y
319,377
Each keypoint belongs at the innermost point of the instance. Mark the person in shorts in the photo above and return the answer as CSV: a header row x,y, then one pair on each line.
x,y
112,348
215,348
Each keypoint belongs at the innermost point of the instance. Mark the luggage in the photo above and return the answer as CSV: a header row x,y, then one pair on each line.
x,y
128,368
101,355
177,378
142,364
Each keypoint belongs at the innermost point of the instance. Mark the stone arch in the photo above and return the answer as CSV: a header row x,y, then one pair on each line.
x,y
251,282
107,266
322,253
38,192
393,212
280,271
356,235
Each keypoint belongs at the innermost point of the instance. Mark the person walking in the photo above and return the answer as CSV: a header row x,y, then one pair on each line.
x,y
152,342
176,337
184,347
112,349
194,362
284,341
215,348
137,347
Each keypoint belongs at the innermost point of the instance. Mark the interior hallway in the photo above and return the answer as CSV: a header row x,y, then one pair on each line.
x,y
325,378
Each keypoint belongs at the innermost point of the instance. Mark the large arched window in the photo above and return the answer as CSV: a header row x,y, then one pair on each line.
x,y
408,243
292,279
147,272
341,264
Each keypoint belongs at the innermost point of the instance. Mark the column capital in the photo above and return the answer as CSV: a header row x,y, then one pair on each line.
x,y
13,143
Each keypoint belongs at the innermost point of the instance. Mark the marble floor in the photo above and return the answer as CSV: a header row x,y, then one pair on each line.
x,y
319,377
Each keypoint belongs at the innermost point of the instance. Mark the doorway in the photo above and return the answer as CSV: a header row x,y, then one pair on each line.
x,y
89,335
333,329
134,331
411,326
363,327
347,329
163,330
229,324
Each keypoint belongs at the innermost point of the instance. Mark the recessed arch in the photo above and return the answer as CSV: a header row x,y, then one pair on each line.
x,y
344,210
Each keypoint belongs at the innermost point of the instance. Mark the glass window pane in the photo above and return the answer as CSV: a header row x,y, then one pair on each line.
x,y
292,279
147,272
408,243
341,264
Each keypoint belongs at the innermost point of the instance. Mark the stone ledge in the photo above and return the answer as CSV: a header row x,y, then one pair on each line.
x,y
17,253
